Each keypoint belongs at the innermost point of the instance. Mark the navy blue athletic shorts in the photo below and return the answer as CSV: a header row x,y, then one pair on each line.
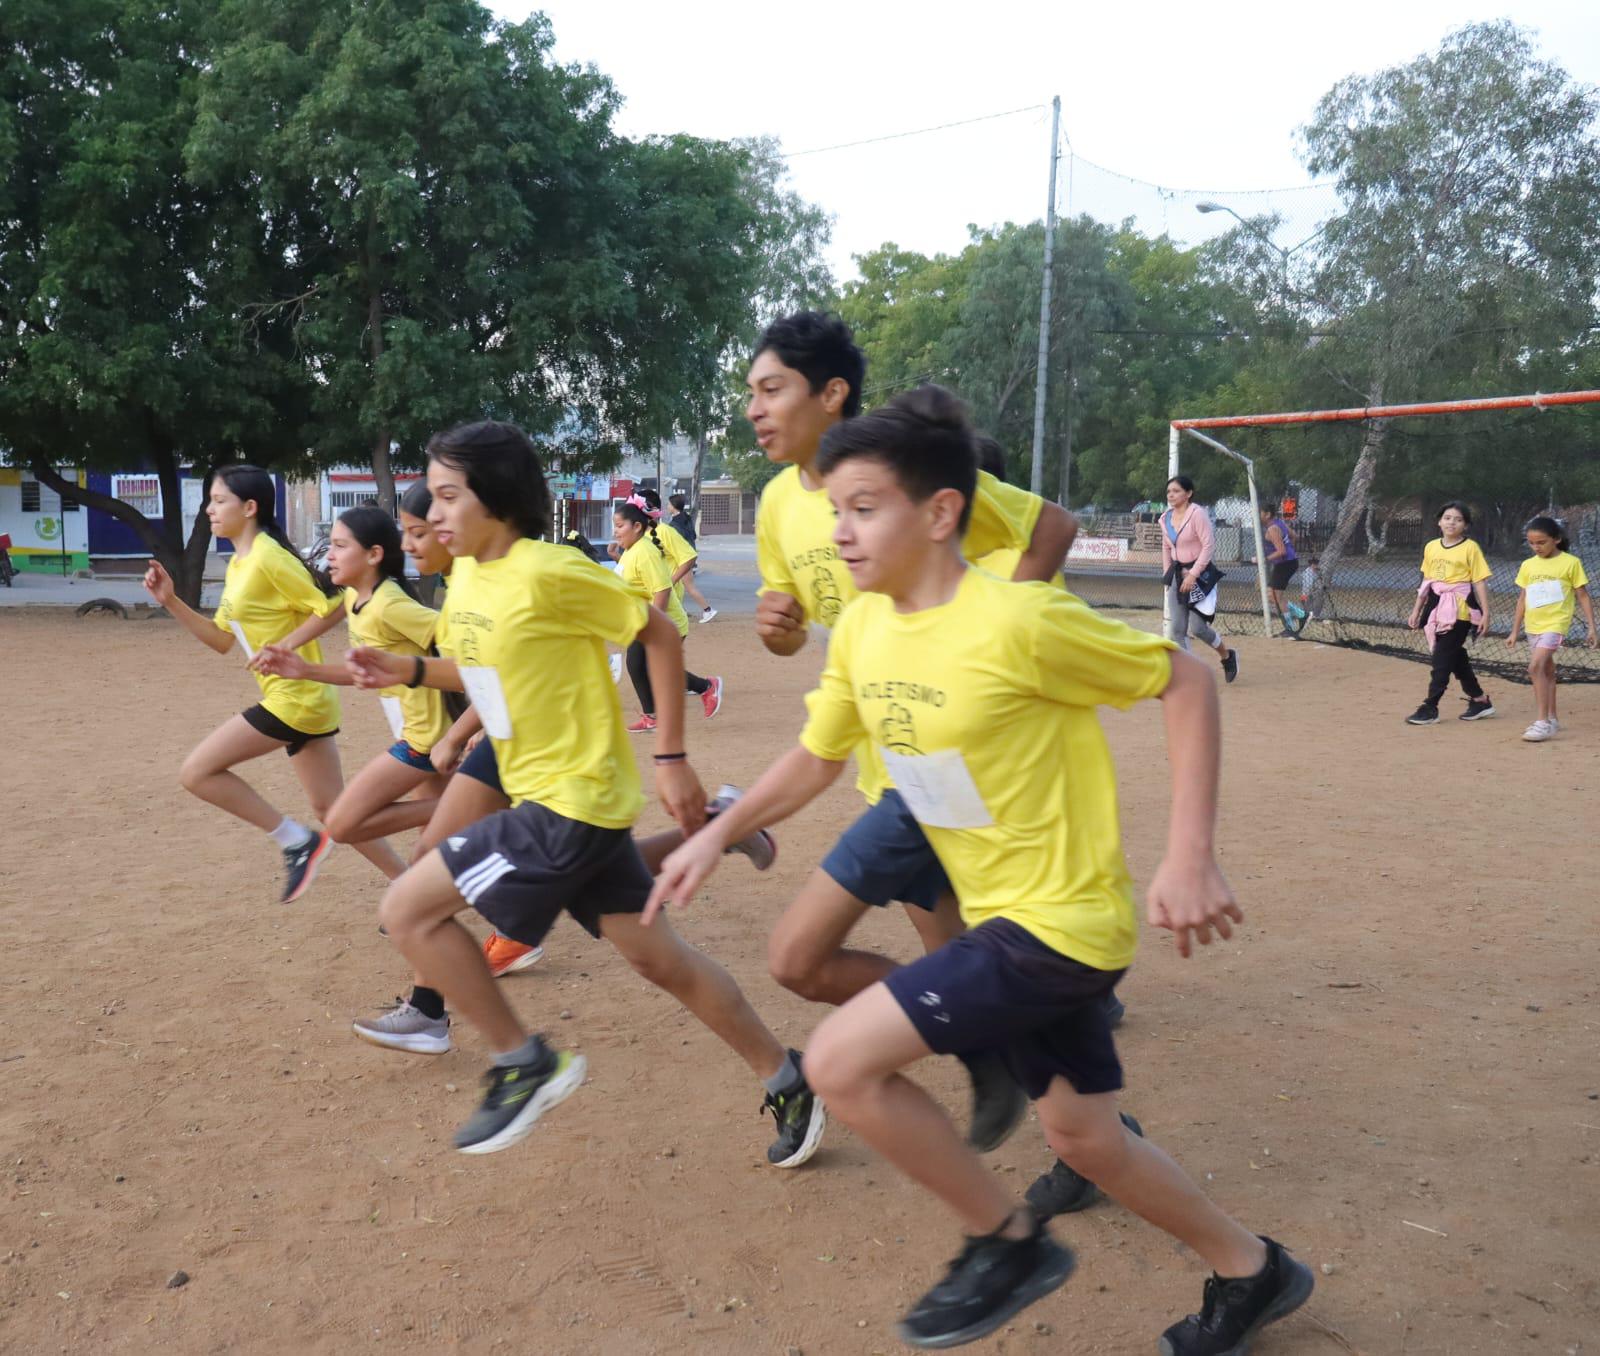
x,y
480,765
998,987
885,856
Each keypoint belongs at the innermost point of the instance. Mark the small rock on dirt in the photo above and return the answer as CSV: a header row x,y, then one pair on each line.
x,y
177,1279
1327,1268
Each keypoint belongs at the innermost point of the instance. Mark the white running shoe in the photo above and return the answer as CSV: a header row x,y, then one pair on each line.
x,y
406,1028
708,615
1539,731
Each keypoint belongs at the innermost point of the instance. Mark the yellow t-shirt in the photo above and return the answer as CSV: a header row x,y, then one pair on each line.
x,y
393,620
679,552
270,593
529,634
1566,570
647,572
796,555
1462,563
1003,681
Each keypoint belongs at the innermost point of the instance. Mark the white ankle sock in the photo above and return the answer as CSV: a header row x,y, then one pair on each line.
x,y
290,834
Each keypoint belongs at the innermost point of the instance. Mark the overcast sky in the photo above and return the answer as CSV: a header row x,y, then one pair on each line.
x,y
1187,96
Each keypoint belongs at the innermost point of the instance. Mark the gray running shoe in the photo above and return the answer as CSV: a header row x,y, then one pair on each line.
x,y
405,1028
760,847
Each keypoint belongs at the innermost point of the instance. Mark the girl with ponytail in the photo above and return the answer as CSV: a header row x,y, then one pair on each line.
x,y
1552,584
269,596
644,567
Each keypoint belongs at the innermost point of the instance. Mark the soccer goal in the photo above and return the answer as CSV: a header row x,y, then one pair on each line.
x,y
1359,555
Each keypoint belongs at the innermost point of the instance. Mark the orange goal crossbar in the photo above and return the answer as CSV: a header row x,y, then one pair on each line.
x,y
1521,402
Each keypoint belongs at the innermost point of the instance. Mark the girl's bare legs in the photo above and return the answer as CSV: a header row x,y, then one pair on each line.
x,y
317,767
206,773
372,805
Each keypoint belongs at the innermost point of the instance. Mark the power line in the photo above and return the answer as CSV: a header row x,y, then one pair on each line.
x,y
918,132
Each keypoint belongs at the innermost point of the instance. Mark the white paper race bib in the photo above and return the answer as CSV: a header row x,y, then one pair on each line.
x,y
238,630
938,789
1544,592
395,716
488,699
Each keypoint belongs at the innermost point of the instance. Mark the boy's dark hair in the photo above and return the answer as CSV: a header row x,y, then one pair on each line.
x,y
1551,527
819,345
371,526
1182,482
247,483
991,456
417,500
502,468
1458,506
924,437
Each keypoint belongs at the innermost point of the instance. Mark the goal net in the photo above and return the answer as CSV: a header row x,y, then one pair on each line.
x,y
1359,545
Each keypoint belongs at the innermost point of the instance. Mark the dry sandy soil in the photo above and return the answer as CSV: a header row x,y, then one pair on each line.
x,y
1392,1069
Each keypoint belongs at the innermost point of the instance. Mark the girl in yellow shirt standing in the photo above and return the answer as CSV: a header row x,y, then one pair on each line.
x,y
1551,583
644,567
270,591
1452,603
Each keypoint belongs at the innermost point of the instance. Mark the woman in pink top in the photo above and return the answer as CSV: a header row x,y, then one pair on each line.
x,y
1187,545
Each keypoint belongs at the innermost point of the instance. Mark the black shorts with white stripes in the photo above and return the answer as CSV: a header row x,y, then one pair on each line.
x,y
522,867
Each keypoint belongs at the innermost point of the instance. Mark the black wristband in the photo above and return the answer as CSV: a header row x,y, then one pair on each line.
x,y
671,757
418,673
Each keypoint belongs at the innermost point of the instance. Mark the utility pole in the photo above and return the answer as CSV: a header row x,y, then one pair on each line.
x,y
1040,387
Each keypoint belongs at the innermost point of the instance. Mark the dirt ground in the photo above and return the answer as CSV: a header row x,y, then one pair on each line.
x,y
1392,1069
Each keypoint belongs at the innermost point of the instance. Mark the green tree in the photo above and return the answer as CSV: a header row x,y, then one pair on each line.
x,y
119,278
1469,235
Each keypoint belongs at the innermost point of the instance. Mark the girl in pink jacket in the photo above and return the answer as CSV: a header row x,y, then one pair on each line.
x,y
1187,545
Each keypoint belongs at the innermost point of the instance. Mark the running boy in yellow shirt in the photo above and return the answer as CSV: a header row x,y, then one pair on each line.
x,y
805,378
980,696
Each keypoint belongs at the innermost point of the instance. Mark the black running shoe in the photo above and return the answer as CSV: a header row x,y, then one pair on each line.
x,y
992,1280
1230,666
998,1103
1233,1312
1426,714
1479,708
801,1121
1063,1191
517,1095
300,865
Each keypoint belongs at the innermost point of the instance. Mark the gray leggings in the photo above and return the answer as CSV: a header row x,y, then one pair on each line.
x,y
1186,623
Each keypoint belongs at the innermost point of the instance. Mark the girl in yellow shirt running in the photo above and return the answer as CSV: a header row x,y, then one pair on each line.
x,y
365,559
1551,583
270,591
644,567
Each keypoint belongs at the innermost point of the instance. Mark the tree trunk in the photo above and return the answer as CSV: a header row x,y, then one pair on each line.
x,y
382,472
694,483
1353,512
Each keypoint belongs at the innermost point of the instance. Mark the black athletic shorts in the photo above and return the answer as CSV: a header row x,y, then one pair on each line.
x,y
521,868
1281,572
998,987
268,724
481,766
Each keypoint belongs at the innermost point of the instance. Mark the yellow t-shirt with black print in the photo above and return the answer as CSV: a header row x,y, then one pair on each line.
x,y
647,572
1562,570
1462,563
528,633
989,699
269,592
393,620
796,555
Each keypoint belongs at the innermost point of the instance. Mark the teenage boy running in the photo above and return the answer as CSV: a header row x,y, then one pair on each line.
x,y
1004,763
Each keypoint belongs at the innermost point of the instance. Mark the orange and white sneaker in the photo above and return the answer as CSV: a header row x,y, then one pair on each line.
x,y
506,957
643,725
